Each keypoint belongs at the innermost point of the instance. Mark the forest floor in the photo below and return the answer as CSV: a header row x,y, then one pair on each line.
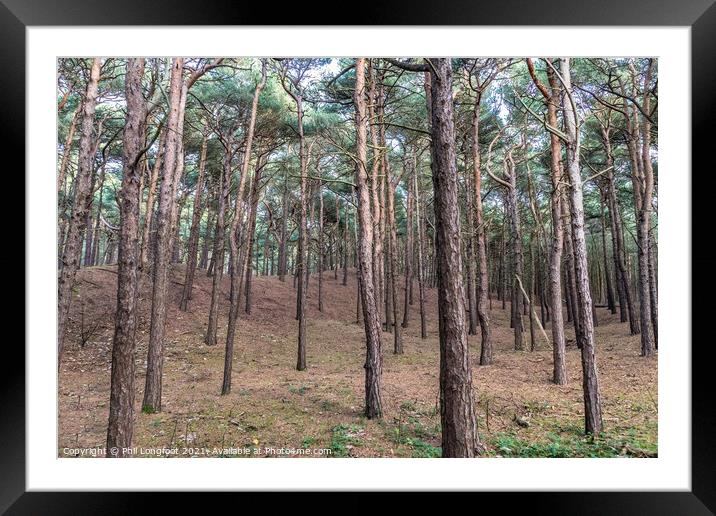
x,y
319,410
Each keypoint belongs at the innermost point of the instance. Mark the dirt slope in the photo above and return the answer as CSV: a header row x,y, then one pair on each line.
x,y
272,405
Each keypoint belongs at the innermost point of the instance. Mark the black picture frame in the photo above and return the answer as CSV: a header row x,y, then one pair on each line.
x,y
700,15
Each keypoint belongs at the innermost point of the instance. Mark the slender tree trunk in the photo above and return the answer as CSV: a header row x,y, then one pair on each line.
x,y
155,357
590,379
421,266
309,225
204,262
178,204
96,240
149,210
375,188
611,304
480,243
551,96
470,256
320,246
646,185
121,399
251,230
176,244
559,375
88,240
393,259
345,245
336,232
516,250
82,198
194,232
384,176
371,319
219,241
284,227
653,291
302,265
626,306
570,273
532,290
503,265
67,150
409,246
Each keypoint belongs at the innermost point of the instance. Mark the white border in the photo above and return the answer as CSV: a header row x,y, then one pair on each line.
x,y
670,471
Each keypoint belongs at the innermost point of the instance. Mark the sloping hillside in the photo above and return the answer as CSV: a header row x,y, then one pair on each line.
x,y
273,405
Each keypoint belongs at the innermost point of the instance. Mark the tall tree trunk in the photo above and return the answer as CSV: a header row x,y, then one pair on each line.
x,y
194,232
559,374
178,204
96,240
653,291
71,253
529,302
480,243
89,229
470,258
643,205
421,266
345,245
335,255
502,275
309,225
302,264
121,399
393,259
409,246
204,261
282,254
251,229
149,210
67,150
219,241
155,357
371,319
590,379
320,245
516,250
570,272
611,303
176,246
457,410
384,186
626,307
375,188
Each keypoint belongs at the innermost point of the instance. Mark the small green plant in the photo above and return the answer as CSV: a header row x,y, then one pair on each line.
x,y
420,430
308,442
345,437
147,409
412,435
298,390
421,449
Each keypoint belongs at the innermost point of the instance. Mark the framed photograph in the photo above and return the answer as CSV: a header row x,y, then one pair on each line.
x,y
370,245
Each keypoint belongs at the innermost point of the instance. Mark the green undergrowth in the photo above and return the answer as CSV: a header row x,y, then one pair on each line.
x,y
413,432
571,445
344,438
